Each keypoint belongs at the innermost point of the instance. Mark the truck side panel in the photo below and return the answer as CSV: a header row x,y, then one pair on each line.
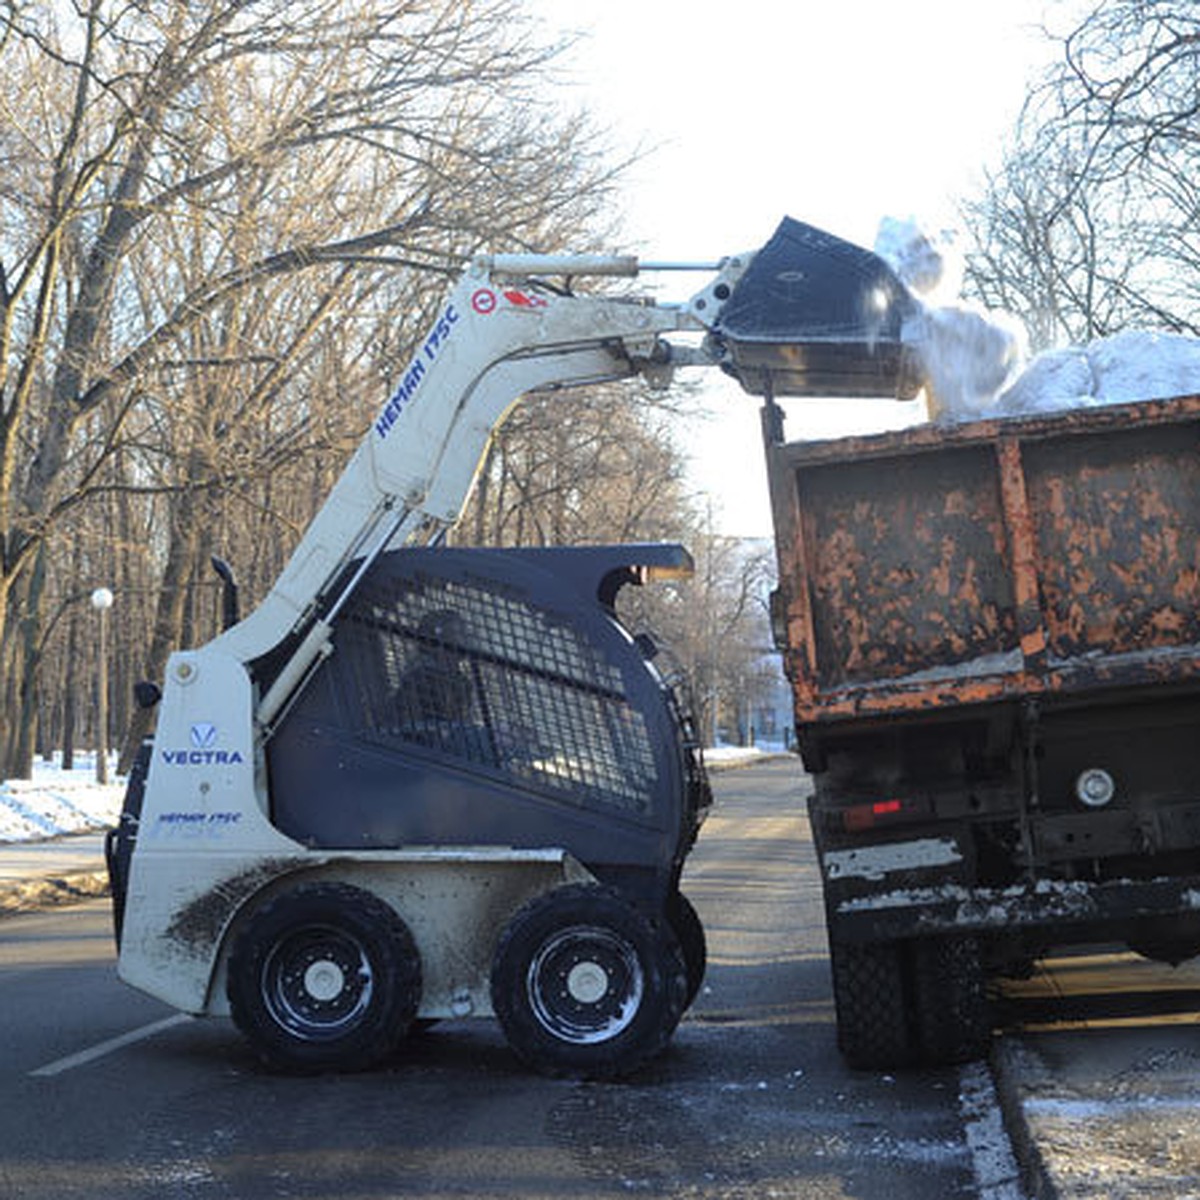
x,y
907,566
988,561
1118,526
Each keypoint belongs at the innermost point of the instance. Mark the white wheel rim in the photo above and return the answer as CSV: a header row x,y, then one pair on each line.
x,y
324,980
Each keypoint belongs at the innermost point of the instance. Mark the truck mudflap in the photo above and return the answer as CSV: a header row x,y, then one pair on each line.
x,y
1070,910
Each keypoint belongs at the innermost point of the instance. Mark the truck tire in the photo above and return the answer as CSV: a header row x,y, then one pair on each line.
x,y
324,977
688,928
585,985
871,998
951,1010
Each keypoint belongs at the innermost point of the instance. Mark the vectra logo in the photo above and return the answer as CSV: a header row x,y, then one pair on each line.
x,y
204,734
203,752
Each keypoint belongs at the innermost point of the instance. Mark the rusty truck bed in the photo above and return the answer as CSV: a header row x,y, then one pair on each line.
x,y
993,560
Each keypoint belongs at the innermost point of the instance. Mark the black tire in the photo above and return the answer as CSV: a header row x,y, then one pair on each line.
x,y
324,977
1161,950
1171,940
871,997
951,1011
586,985
688,928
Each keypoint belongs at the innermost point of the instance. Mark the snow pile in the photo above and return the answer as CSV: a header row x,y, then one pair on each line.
x,y
55,802
975,360
970,357
1122,369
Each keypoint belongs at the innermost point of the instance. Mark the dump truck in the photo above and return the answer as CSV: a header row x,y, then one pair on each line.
x,y
420,781
992,635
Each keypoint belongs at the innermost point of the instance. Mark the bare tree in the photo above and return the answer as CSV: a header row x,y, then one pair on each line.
x,y
1088,224
201,207
596,465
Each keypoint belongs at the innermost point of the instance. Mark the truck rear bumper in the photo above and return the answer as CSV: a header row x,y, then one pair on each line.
x,y
1069,910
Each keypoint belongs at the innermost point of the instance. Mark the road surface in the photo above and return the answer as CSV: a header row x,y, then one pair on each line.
x,y
106,1093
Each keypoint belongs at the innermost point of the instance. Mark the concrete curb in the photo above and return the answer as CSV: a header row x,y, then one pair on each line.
x,y
1011,1067
34,894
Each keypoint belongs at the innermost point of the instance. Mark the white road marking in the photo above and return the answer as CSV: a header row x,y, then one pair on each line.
x,y
83,1057
992,1160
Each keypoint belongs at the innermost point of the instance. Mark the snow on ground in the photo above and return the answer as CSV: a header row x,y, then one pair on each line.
x,y
736,754
55,802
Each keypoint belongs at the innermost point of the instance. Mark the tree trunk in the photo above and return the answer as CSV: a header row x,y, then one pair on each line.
x,y
168,618
70,680
29,655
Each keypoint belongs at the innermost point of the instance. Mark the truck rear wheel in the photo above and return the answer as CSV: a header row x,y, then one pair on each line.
x,y
586,985
324,977
950,1003
870,995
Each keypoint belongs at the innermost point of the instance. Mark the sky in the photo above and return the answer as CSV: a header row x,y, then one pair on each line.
x,y
835,112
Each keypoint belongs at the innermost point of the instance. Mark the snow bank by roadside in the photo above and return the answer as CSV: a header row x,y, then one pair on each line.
x,y
720,758
55,802
718,754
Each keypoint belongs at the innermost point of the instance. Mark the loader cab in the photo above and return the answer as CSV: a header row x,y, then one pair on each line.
x,y
492,697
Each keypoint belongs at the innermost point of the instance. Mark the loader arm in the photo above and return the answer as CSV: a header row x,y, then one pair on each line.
x,y
497,337
501,334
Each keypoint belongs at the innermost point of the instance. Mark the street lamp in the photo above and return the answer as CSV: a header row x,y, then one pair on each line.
x,y
102,601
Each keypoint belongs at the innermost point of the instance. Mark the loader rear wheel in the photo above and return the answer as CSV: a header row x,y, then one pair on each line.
x,y
324,977
870,995
689,929
586,985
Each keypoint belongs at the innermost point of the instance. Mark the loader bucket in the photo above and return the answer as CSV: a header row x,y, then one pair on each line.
x,y
814,315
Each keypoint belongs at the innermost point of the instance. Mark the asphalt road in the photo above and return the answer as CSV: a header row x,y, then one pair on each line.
x,y
105,1094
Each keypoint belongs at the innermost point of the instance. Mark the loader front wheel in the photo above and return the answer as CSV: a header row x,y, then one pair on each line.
x,y
325,977
586,985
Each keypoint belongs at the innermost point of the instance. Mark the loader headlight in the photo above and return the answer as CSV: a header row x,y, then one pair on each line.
x,y
1095,787
676,563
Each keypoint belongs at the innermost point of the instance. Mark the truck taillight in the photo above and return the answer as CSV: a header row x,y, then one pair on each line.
x,y
864,816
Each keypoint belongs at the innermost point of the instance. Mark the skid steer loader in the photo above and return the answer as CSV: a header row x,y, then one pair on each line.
x,y
420,782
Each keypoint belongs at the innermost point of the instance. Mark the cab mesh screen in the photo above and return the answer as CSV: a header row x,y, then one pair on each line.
x,y
474,673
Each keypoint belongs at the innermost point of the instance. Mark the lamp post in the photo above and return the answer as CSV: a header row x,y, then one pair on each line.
x,y
102,600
